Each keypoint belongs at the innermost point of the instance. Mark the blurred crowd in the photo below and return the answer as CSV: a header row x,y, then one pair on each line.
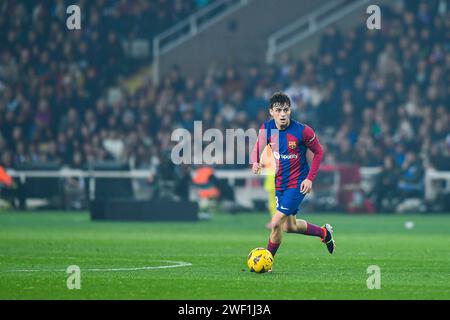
x,y
52,80
374,97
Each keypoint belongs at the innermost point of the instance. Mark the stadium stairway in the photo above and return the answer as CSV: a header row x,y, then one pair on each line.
x,y
208,37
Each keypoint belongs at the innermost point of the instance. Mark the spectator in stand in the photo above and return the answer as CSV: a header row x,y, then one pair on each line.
x,y
385,190
411,183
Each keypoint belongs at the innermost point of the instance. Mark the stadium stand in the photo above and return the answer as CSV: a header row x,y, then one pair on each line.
x,y
376,98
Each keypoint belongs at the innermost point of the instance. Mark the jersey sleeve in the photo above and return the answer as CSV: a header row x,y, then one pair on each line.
x,y
260,144
312,142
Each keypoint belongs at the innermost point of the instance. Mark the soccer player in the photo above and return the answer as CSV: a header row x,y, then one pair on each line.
x,y
290,140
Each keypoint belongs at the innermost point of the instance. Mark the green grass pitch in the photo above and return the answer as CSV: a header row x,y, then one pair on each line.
x,y
414,263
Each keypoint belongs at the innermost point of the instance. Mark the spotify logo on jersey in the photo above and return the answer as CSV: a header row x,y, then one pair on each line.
x,y
277,156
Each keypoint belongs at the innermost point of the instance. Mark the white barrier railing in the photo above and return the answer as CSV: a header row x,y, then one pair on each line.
x,y
76,173
431,177
230,175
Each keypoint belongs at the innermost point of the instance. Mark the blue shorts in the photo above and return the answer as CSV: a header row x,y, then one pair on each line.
x,y
289,200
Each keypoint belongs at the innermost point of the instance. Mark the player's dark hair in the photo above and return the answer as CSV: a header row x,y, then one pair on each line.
x,y
279,97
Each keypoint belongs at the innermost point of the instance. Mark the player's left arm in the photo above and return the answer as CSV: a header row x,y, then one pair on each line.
x,y
312,142
261,143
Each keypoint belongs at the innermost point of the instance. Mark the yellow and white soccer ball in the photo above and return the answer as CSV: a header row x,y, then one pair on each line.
x,y
259,260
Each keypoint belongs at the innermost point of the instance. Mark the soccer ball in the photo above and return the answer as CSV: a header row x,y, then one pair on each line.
x,y
259,260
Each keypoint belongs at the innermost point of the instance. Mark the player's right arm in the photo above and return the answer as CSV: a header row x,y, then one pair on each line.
x,y
256,167
261,143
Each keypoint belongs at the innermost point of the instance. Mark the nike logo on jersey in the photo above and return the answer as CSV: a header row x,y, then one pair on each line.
x,y
312,139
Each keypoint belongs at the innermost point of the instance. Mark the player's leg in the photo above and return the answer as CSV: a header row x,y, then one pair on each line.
x,y
278,219
325,233
293,225
293,198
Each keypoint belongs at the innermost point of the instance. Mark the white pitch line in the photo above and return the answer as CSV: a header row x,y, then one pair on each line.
x,y
176,264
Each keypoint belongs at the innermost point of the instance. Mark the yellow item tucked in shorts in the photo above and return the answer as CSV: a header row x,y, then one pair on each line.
x,y
268,161
269,186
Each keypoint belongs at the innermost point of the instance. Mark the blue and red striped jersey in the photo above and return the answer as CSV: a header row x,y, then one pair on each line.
x,y
289,148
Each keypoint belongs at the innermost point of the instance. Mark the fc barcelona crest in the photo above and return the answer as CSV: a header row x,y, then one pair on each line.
x,y
292,144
